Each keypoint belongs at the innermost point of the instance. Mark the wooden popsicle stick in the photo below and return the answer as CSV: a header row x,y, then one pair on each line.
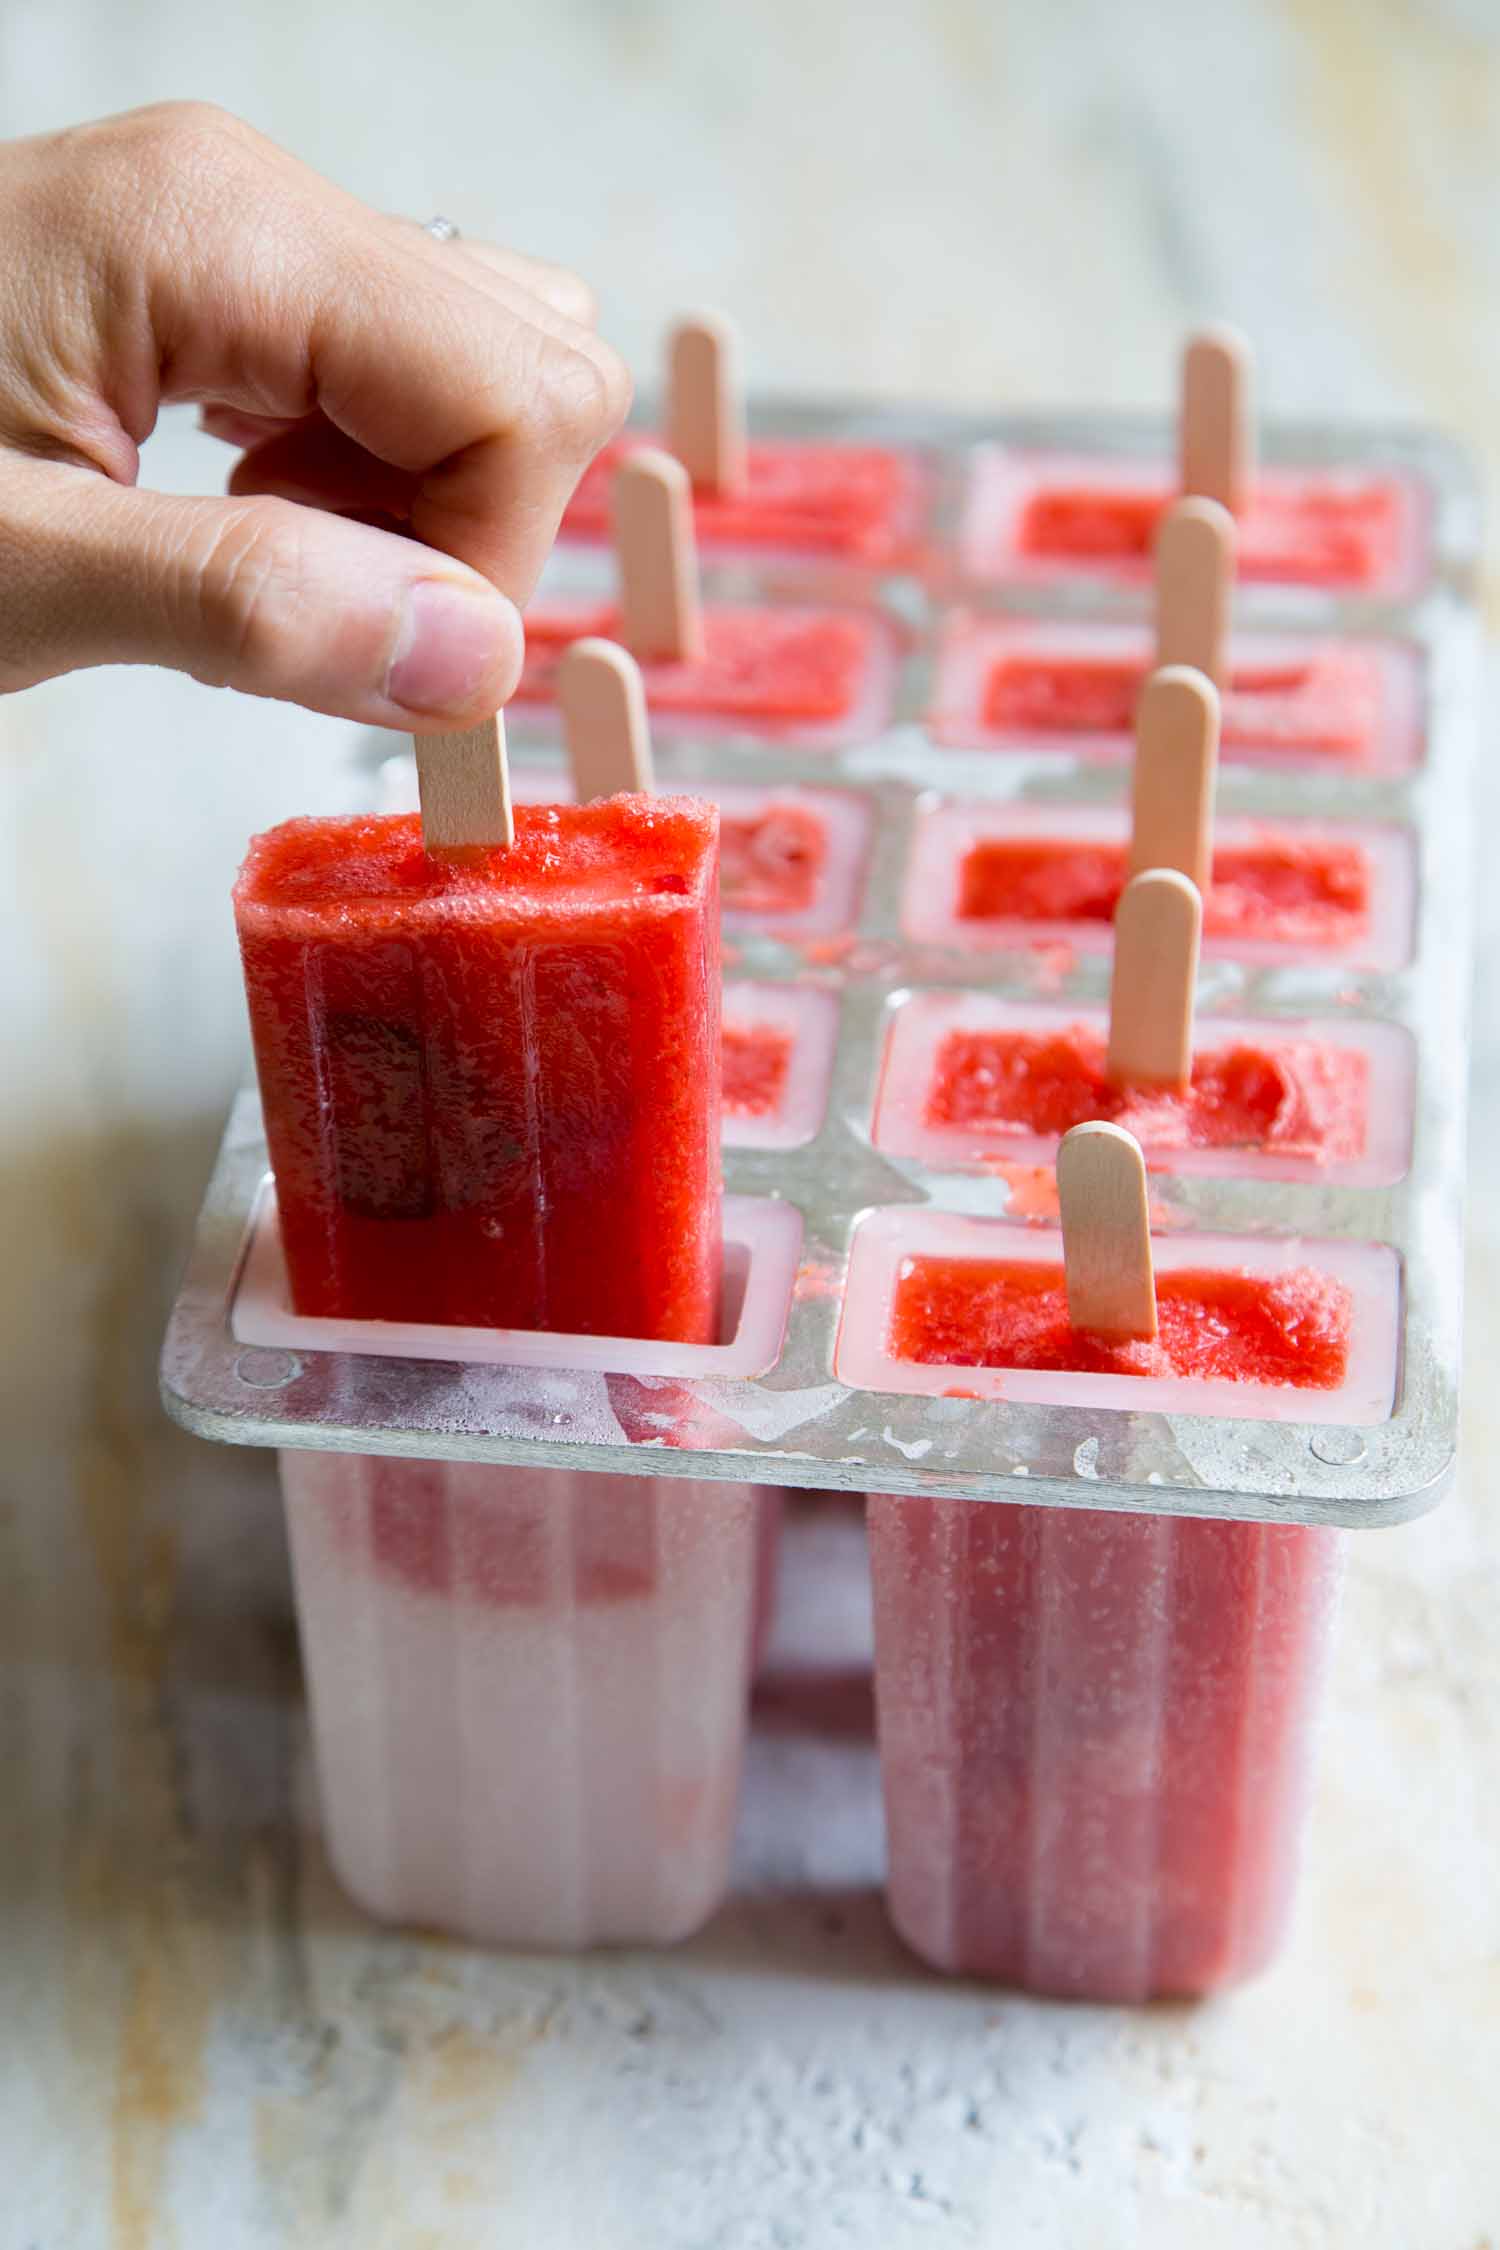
x,y
705,406
660,611
1151,990
1175,773
1194,575
1218,428
463,784
603,707
1106,1231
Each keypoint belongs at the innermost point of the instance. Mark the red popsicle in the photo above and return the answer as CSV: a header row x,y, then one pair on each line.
x,y
1288,1097
484,1078
1095,1732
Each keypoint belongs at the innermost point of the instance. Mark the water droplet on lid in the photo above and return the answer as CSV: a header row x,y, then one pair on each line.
x,y
1340,1449
260,1369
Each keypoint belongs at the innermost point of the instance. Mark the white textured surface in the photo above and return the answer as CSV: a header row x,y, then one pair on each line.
x,y
203,2044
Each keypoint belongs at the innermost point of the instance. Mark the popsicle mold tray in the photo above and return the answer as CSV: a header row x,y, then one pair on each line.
x,y
860,884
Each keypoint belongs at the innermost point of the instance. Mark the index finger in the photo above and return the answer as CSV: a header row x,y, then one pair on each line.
x,y
277,294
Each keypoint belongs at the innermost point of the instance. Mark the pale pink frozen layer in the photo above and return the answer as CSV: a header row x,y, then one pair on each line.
x,y
1095,1734
1010,680
982,876
854,503
528,1691
1338,528
970,1079
795,673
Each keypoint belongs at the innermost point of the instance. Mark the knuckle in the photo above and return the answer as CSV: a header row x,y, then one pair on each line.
x,y
586,391
191,124
180,147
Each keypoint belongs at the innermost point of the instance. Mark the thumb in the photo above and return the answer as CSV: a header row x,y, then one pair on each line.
x,y
258,594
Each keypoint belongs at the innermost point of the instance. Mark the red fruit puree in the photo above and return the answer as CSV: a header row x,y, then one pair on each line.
x,y
1310,529
756,1059
792,665
1297,893
1329,703
1292,1099
854,501
771,862
492,1088
1229,1327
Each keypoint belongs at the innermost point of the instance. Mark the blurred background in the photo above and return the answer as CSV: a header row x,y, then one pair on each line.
x,y
967,201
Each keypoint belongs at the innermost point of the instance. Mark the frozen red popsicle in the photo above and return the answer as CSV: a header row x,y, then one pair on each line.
x,y
1008,681
1095,1733
1308,893
1312,527
492,1094
484,1082
777,668
854,503
1225,1326
1093,1727
1289,1097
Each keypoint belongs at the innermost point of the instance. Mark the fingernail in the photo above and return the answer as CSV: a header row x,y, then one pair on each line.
x,y
450,643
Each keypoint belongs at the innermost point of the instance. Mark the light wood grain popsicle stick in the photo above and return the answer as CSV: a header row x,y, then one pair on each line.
x,y
1175,774
1218,425
1151,992
660,610
463,784
1194,578
705,417
603,705
1106,1230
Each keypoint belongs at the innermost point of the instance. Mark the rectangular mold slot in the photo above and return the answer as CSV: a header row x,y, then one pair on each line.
x,y
779,1042
1052,516
920,1024
832,680
762,1245
1017,682
1379,938
807,500
811,844
885,1239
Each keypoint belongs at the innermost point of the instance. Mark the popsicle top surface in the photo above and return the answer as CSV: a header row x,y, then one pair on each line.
x,y
584,864
1229,1326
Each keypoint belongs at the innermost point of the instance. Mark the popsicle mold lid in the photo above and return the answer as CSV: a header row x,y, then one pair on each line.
x,y
796,1423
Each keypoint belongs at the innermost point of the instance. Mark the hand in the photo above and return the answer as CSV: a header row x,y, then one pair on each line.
x,y
414,415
